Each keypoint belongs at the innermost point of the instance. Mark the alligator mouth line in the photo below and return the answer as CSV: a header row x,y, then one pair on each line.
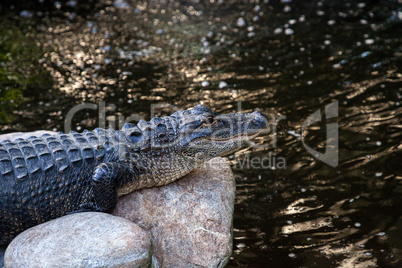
x,y
239,137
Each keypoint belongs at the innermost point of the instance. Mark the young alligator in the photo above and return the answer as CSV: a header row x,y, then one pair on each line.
x,y
42,178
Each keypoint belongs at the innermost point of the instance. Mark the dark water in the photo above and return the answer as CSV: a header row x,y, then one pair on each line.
x,y
285,58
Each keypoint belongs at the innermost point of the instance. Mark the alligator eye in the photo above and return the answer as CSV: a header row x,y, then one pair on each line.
x,y
135,134
209,121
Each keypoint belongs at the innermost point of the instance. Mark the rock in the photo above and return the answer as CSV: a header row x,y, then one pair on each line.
x,y
89,239
189,220
24,135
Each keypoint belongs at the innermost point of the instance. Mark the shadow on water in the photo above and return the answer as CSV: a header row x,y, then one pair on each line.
x,y
286,58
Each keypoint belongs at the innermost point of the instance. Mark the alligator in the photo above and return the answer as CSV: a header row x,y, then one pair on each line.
x,y
46,177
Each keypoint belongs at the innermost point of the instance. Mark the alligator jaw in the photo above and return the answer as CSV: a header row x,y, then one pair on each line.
x,y
240,137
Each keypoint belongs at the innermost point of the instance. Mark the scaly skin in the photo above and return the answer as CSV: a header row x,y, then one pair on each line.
x,y
42,178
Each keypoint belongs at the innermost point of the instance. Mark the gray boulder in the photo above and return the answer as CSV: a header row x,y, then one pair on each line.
x,y
189,220
89,239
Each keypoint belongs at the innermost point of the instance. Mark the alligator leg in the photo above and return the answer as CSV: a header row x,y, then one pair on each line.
x,y
104,184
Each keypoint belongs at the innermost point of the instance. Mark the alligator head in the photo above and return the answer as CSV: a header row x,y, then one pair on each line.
x,y
173,145
206,134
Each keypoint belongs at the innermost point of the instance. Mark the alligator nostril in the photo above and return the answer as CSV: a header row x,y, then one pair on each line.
x,y
260,117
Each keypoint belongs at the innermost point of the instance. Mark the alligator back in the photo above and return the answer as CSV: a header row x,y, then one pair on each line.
x,y
42,178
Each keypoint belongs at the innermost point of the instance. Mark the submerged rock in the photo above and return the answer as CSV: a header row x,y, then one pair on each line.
x,y
89,239
190,220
